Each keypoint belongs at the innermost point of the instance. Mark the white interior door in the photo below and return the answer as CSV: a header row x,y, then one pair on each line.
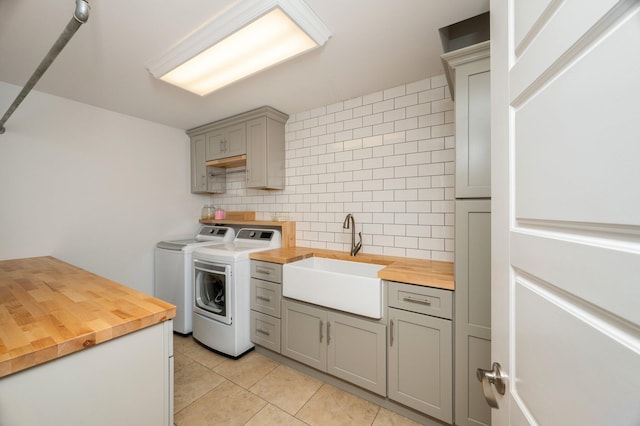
x,y
566,210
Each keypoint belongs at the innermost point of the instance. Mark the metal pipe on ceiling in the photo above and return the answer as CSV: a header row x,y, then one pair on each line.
x,y
80,16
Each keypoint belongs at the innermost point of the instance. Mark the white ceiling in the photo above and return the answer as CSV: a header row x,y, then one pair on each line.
x,y
376,44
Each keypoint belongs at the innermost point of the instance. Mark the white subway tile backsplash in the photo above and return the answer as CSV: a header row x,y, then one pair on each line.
x,y
406,242
419,86
406,101
353,103
387,157
431,95
395,160
383,106
363,132
394,115
439,81
406,171
363,111
372,98
372,119
383,128
395,92
406,124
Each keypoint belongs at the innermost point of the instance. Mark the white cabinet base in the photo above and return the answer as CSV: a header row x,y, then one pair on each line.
x,y
125,381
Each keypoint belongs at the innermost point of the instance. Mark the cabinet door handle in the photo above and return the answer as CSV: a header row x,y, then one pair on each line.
x,y
266,299
391,334
328,333
265,332
321,327
416,300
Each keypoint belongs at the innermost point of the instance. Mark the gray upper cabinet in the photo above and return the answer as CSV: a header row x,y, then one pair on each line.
x,y
265,151
198,166
469,71
228,141
255,140
204,179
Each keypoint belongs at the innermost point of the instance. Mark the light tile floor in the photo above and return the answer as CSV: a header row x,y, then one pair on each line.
x,y
255,390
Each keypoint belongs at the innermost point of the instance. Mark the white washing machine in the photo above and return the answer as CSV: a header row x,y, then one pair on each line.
x,y
173,269
221,279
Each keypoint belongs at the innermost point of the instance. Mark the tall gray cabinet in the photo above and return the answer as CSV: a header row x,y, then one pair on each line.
x,y
469,72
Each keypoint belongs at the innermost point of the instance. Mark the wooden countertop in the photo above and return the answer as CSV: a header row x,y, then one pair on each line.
x,y
49,308
430,273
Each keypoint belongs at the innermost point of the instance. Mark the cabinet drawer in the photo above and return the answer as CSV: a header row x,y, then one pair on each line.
x,y
421,299
265,297
265,331
266,271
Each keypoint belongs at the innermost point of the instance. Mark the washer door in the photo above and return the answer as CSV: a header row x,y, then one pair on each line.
x,y
212,294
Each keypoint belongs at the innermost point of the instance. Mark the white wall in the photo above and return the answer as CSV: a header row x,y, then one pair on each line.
x,y
91,187
387,157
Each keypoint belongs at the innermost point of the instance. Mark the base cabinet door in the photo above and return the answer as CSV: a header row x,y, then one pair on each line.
x,y
420,364
357,351
303,334
347,347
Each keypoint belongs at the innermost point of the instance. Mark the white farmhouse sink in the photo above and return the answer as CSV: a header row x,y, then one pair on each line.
x,y
339,284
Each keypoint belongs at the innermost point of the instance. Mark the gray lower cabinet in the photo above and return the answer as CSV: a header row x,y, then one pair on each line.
x,y
473,309
342,345
420,365
266,295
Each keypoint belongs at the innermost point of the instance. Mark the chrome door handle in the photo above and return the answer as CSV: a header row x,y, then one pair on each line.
x,y
391,334
328,332
494,377
321,327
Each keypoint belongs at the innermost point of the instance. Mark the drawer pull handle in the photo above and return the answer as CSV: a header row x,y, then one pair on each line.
x,y
263,271
328,333
321,326
416,300
266,299
391,334
261,331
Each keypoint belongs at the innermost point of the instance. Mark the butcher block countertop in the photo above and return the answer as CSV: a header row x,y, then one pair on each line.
x,y
49,308
431,273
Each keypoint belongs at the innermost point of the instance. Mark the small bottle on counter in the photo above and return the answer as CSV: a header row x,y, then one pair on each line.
x,y
208,212
219,213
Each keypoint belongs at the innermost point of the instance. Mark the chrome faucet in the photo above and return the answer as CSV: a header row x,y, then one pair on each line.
x,y
355,248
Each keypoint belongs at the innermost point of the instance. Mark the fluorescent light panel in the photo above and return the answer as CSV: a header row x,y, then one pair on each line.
x,y
266,41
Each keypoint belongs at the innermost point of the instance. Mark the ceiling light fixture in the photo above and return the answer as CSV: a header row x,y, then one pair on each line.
x,y
247,38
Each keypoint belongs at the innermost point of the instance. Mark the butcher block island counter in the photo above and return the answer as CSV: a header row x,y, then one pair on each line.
x,y
431,273
76,348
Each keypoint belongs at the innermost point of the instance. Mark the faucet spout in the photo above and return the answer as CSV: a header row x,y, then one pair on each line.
x,y
350,222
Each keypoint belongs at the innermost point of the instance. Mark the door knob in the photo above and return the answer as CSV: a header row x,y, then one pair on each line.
x,y
494,377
